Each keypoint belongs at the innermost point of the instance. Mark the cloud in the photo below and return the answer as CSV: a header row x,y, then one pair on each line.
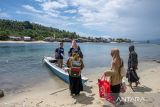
x,y
71,11
50,5
128,18
32,9
100,11
3,14
121,18
52,14
40,0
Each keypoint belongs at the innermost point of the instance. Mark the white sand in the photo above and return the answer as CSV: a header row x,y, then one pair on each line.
x,y
42,95
23,42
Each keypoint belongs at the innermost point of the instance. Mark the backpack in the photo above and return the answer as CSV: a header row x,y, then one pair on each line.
x,y
75,68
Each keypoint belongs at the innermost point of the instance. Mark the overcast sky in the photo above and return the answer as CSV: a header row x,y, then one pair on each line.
x,y
134,19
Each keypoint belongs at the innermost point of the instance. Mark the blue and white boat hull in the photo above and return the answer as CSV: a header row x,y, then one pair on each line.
x,y
62,74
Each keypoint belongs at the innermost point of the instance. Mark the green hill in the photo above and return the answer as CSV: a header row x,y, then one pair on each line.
x,y
35,31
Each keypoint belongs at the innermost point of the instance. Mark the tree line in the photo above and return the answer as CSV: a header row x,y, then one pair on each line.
x,y
33,30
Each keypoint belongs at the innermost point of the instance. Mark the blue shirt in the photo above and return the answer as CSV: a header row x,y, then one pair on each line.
x,y
60,52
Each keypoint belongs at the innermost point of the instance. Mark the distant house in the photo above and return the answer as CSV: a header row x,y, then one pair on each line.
x,y
15,38
82,40
67,39
27,38
49,39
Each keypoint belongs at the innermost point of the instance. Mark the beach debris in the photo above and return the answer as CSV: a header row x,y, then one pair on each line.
x,y
37,105
158,61
1,93
59,91
90,81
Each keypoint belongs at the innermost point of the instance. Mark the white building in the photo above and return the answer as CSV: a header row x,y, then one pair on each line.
x,y
15,38
27,38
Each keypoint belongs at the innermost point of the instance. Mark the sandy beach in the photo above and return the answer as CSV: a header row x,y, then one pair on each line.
x,y
23,42
42,95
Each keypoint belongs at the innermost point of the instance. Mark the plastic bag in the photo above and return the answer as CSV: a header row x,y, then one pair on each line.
x,y
123,87
104,87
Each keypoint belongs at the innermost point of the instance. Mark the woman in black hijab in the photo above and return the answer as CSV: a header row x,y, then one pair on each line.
x,y
132,66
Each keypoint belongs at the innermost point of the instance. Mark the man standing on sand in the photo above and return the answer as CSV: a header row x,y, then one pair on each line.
x,y
59,54
132,67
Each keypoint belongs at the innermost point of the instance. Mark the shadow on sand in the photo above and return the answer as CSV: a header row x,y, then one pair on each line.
x,y
83,98
142,89
87,89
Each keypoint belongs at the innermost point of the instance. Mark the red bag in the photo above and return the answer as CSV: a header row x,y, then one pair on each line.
x,y
104,87
75,69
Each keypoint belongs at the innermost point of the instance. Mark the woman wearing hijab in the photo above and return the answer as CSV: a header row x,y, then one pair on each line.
x,y
75,49
75,63
115,75
132,66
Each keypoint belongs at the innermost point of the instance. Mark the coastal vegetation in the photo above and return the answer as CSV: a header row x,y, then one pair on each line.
x,y
25,30
35,31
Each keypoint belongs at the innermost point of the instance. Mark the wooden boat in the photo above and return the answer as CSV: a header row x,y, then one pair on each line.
x,y
61,73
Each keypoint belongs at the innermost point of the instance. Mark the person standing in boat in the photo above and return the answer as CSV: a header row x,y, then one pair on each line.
x,y
132,67
75,48
59,54
75,63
